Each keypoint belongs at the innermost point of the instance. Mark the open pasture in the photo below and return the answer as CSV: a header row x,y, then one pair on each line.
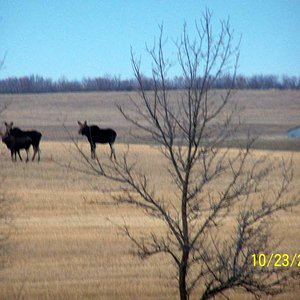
x,y
65,241
268,114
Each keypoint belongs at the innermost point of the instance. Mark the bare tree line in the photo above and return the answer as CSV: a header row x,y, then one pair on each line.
x,y
39,84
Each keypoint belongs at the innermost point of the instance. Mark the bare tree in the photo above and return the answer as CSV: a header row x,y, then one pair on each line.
x,y
222,208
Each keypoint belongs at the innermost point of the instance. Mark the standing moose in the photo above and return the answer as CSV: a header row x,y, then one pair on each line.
x,y
15,144
96,135
34,135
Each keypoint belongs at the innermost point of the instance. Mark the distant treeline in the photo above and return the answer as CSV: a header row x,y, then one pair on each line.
x,y
39,84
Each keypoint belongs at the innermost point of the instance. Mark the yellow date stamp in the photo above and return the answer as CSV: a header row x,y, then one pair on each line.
x,y
276,260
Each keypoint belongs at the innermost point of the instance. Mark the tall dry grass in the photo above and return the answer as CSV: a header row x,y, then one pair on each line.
x,y
66,241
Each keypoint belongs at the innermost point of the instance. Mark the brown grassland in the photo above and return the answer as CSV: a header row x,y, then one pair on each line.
x,y
65,242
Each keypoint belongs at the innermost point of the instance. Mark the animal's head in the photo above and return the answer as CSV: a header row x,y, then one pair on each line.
x,y
82,126
8,128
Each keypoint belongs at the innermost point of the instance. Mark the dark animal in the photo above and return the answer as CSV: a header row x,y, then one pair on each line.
x,y
96,135
34,135
15,144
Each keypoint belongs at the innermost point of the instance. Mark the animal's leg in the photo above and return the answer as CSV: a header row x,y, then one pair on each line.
x,y
12,155
34,152
39,154
93,152
95,155
18,151
112,151
27,159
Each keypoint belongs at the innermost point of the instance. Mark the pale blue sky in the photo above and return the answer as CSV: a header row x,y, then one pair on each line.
x,y
82,38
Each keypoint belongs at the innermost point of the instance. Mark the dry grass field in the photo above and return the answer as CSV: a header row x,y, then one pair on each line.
x,y
268,114
65,242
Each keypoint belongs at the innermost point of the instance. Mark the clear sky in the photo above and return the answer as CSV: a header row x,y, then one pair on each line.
x,y
88,38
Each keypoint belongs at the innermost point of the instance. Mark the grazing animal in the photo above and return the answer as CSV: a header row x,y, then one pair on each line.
x,y
96,135
34,135
15,144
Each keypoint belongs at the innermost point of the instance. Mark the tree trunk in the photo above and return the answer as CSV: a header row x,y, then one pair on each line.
x,y
185,249
182,275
